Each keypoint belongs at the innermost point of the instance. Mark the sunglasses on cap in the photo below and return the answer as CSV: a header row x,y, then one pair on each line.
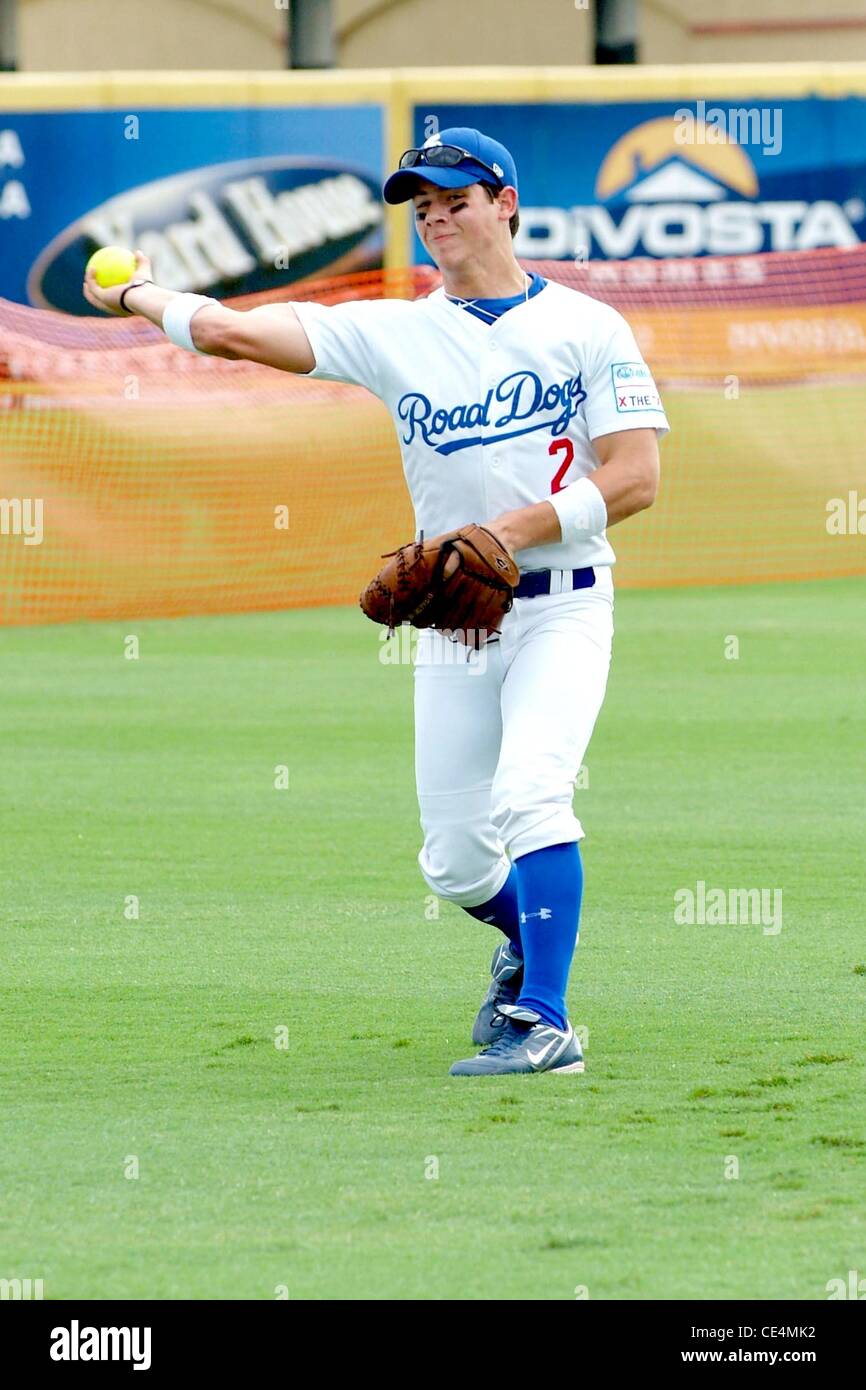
x,y
447,157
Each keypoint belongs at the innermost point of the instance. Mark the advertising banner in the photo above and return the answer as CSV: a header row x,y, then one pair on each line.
x,y
225,201
612,180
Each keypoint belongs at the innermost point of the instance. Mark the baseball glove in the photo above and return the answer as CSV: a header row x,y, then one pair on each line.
x,y
471,599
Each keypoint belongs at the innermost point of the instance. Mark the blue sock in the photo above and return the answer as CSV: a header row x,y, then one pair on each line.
x,y
550,886
502,911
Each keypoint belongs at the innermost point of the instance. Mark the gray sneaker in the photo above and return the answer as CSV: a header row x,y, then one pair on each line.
x,y
525,1044
507,971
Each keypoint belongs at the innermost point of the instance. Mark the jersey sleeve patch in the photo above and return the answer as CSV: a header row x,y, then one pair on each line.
x,y
634,388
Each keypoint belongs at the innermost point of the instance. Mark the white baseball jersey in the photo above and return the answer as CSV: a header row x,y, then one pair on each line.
x,y
492,417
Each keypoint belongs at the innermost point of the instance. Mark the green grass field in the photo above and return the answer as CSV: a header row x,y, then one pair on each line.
x,y
305,1166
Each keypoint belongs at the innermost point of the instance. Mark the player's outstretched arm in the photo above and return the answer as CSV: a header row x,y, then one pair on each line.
x,y
271,334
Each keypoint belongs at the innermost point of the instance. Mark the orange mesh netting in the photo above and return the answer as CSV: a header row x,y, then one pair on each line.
x,y
161,474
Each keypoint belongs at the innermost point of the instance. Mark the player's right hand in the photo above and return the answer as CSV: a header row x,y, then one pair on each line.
x,y
109,300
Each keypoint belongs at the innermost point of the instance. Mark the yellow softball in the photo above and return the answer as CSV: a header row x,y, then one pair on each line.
x,y
112,265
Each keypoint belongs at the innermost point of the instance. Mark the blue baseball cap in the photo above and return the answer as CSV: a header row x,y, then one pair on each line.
x,y
486,162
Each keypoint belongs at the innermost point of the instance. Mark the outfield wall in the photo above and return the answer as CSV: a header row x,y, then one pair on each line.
x,y
235,183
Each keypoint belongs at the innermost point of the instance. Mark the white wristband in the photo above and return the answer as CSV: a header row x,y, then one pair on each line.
x,y
177,316
581,510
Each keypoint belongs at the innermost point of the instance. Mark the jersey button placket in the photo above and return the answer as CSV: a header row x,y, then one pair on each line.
x,y
493,453
490,460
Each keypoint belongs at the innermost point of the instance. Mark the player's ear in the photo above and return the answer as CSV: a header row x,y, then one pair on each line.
x,y
508,201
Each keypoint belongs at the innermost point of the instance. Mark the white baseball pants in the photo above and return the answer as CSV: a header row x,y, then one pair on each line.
x,y
500,736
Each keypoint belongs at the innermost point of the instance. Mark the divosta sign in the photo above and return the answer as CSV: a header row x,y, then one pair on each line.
x,y
662,165
676,185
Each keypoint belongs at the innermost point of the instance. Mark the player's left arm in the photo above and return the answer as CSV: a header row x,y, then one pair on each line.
x,y
627,479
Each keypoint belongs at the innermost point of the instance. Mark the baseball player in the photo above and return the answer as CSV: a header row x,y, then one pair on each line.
x,y
527,408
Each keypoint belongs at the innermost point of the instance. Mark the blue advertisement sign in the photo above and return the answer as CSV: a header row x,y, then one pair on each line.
x,y
224,201
610,181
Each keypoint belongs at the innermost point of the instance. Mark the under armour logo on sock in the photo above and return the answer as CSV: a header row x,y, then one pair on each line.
x,y
544,913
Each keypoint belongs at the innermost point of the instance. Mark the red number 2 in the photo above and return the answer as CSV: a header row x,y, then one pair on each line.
x,y
566,447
